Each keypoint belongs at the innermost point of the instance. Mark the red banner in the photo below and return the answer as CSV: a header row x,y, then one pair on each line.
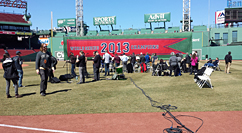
x,y
7,32
120,46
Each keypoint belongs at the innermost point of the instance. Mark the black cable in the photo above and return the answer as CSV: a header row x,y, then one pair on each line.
x,y
167,109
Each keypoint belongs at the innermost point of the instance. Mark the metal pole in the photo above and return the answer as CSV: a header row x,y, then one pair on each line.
x,y
51,31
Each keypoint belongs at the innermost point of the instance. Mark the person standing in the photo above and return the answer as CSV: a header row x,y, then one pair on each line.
x,y
42,65
198,59
97,62
142,58
133,60
106,58
117,60
179,64
194,61
154,58
147,58
124,59
81,64
188,62
18,64
173,62
228,61
54,61
10,73
73,65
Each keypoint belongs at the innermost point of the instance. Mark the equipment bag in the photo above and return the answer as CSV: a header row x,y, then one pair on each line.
x,y
55,80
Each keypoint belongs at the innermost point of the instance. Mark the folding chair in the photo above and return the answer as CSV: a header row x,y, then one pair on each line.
x,y
205,78
157,70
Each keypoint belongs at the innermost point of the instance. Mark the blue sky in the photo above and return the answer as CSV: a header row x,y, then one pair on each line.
x,y
129,13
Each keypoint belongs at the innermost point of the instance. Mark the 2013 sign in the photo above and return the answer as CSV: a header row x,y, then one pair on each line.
x,y
112,47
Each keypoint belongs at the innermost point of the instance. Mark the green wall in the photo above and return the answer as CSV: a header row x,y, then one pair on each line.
x,y
200,42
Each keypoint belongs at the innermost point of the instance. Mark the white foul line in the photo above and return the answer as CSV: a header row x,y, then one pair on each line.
x,y
37,129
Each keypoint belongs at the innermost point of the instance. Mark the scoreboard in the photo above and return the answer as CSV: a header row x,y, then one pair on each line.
x,y
233,15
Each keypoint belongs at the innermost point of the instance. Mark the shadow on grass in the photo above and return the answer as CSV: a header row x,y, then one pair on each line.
x,y
28,94
65,90
32,85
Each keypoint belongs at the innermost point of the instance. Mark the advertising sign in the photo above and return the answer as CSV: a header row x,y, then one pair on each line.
x,y
68,22
157,17
14,3
219,17
110,20
120,46
59,55
24,33
44,40
7,32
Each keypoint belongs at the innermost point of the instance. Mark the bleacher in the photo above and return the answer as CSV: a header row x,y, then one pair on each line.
x,y
130,32
200,28
91,33
145,31
173,29
104,33
159,30
116,32
17,18
12,52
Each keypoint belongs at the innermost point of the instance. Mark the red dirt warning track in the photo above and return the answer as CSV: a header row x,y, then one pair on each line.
x,y
214,122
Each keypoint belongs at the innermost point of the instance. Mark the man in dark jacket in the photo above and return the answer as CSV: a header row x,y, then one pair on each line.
x,y
228,61
97,62
54,62
73,63
188,62
173,62
42,65
81,64
10,73
142,58
133,60
18,64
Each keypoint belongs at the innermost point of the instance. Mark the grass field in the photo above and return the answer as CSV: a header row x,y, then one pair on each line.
x,y
119,96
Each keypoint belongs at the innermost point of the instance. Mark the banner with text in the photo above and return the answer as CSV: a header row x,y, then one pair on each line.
x,y
109,20
157,17
120,46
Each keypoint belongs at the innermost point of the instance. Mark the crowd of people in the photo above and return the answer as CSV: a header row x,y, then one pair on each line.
x,y
45,66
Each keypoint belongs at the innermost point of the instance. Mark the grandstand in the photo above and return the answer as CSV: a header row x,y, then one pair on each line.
x,y
159,30
91,33
116,32
173,29
145,31
130,32
103,32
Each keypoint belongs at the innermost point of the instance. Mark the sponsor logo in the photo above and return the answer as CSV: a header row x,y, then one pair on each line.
x,y
196,40
59,55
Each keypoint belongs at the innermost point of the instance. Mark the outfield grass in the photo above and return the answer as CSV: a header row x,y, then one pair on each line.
x,y
119,96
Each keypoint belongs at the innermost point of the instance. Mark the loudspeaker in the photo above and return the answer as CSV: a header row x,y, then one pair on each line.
x,y
55,80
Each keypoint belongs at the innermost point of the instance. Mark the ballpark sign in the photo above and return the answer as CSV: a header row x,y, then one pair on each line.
x,y
157,17
69,22
15,4
110,20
